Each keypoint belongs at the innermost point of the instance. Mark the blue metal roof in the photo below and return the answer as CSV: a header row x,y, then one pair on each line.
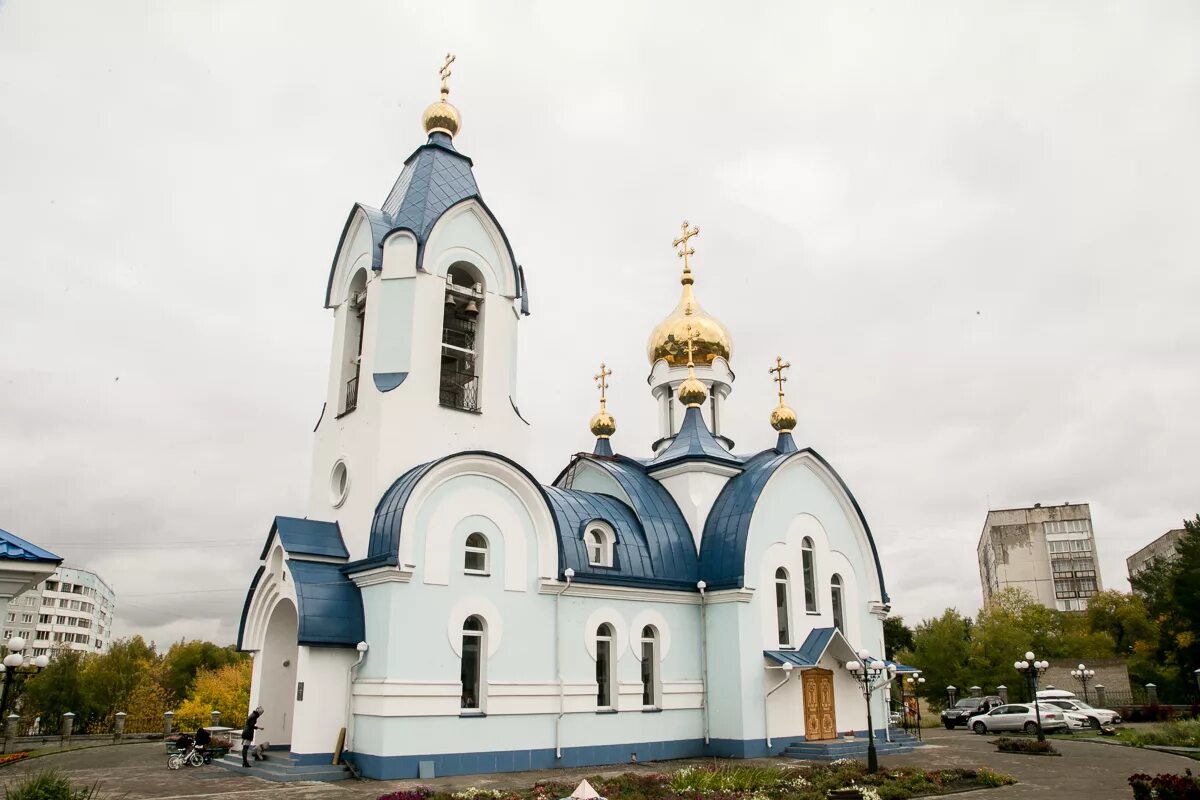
x,y
723,547
816,643
435,178
603,447
329,605
17,549
670,546
307,537
694,442
384,544
788,657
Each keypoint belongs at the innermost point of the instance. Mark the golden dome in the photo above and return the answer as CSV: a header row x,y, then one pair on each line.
x,y
603,425
441,117
783,418
692,393
710,338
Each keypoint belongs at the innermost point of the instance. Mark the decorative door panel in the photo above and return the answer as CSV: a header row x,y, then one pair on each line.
x,y
819,712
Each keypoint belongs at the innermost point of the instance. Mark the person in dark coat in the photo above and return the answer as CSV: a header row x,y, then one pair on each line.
x,y
248,734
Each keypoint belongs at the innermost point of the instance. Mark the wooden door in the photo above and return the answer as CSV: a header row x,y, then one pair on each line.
x,y
819,714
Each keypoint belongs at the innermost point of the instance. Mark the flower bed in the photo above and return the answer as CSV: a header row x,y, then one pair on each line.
x,y
1165,787
11,757
1031,747
743,782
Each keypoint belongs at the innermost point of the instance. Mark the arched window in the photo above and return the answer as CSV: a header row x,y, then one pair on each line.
x,y
810,576
352,343
475,559
781,607
459,384
599,546
604,666
835,591
472,664
650,676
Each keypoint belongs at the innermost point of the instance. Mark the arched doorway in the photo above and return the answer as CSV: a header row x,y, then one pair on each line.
x,y
277,676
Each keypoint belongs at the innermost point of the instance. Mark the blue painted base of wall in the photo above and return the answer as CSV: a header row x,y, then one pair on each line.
x,y
311,759
446,764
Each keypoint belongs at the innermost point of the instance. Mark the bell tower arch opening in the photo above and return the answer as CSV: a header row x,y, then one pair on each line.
x,y
459,384
354,324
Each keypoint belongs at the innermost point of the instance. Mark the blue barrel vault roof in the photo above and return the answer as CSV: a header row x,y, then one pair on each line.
x,y
435,178
328,605
723,547
14,548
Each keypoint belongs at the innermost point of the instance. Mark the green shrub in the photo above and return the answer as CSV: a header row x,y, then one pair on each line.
x,y
1170,734
47,785
1027,746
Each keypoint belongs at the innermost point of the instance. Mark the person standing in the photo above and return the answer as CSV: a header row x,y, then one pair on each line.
x,y
248,734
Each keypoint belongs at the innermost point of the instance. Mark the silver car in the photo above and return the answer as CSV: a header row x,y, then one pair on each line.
x,y
1095,716
1020,717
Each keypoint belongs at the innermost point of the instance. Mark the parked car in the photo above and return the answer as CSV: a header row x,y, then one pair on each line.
x,y
962,711
1020,717
1095,716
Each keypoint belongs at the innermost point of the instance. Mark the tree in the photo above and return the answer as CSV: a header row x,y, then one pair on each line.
x,y
941,648
186,659
57,689
110,678
896,636
225,689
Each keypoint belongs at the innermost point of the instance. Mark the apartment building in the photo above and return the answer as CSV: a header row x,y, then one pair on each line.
x,y
73,608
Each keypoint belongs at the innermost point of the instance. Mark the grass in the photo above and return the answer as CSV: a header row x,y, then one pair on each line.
x,y
719,781
1168,734
49,785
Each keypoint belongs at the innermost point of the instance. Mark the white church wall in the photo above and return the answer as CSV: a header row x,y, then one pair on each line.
x,y
694,492
320,713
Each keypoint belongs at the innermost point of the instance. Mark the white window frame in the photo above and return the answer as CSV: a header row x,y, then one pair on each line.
x,y
783,612
808,573
480,670
837,602
469,550
599,554
652,688
605,633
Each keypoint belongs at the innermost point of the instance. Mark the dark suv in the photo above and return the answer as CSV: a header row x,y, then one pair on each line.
x,y
962,711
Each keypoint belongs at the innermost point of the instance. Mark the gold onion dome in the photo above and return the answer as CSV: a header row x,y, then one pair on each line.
x,y
602,424
710,338
692,393
441,117
783,418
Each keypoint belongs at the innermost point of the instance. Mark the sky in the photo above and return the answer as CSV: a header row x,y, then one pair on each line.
x,y
971,227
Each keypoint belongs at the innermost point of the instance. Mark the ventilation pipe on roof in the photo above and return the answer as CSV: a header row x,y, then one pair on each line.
x,y
568,573
701,585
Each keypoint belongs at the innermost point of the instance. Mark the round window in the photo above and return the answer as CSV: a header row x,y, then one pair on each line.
x,y
339,483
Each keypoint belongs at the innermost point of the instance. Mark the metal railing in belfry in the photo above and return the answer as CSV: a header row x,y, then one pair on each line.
x,y
351,394
459,390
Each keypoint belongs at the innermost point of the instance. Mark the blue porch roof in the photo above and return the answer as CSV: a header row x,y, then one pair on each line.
x,y
307,537
328,604
15,548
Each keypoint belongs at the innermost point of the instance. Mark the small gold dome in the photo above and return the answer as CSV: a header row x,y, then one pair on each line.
x,y
783,418
441,117
692,392
603,425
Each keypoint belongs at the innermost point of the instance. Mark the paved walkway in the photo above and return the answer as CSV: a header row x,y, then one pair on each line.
x,y
1087,771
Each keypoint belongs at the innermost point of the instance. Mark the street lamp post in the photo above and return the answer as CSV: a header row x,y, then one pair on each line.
x,y
868,671
914,682
1033,669
1083,675
15,665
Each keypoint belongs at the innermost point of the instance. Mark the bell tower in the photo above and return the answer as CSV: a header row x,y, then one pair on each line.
x,y
427,297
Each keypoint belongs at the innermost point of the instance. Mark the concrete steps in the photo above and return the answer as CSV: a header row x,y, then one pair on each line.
x,y
281,767
857,749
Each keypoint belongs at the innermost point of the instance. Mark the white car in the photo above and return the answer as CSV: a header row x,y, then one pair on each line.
x,y
1021,717
1094,716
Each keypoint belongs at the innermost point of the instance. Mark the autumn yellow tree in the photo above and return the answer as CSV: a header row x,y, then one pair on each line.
x,y
225,689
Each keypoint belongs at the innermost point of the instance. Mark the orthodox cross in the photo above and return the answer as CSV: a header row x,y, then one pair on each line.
x,y
445,73
601,379
691,342
684,249
777,370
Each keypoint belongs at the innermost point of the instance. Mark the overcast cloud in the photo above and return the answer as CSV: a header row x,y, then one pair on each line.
x,y
972,228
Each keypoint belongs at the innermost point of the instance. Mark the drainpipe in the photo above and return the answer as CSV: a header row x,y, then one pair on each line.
x,y
787,673
701,585
568,573
363,647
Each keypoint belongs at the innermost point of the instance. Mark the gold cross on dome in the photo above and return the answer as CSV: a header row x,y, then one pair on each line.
x,y
682,243
777,371
601,379
691,344
445,73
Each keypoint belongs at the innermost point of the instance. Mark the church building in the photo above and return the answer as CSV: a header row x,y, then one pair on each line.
x,y
438,610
